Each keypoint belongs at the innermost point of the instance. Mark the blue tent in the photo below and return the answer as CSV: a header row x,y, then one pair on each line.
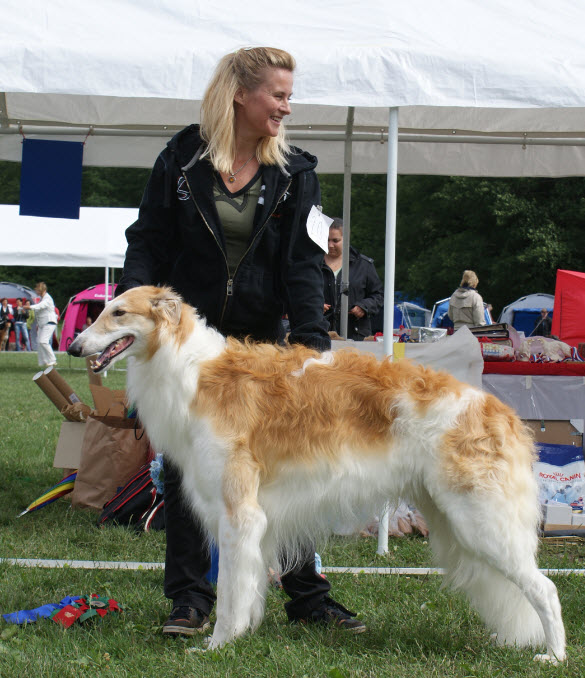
x,y
407,314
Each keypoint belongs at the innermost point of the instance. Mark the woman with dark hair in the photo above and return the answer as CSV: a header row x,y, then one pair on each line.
x,y
365,293
223,221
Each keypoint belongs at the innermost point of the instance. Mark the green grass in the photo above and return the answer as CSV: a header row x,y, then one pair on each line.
x,y
415,629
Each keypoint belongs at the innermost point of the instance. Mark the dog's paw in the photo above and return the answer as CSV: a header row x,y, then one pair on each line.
x,y
546,659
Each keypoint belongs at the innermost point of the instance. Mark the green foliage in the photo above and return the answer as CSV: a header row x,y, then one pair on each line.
x,y
113,186
9,183
514,233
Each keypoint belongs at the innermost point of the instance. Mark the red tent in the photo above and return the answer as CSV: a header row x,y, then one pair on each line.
x,y
569,318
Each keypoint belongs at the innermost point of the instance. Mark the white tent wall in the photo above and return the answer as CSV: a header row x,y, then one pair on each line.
x,y
96,239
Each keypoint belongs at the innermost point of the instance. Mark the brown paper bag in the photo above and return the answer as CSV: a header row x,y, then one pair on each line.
x,y
111,453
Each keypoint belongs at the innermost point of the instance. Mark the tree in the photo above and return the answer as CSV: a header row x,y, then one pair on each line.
x,y
515,233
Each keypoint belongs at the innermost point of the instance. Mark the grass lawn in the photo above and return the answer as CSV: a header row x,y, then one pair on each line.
x,y
414,627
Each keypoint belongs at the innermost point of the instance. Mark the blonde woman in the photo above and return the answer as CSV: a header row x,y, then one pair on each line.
x,y
46,318
466,304
223,221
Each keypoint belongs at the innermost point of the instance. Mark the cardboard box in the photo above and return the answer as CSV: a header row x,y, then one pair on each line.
x,y
552,530
68,452
557,432
108,401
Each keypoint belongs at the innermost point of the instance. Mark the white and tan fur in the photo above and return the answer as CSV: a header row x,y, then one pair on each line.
x,y
277,444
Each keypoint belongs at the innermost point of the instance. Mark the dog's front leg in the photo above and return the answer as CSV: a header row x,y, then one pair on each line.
x,y
242,571
223,630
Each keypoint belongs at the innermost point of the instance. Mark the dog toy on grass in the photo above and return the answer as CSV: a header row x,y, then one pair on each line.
x,y
67,611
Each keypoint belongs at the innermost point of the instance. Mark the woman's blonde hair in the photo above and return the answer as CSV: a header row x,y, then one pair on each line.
x,y
41,287
242,69
469,279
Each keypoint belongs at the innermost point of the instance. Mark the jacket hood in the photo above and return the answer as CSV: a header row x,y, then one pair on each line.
x,y
462,297
187,142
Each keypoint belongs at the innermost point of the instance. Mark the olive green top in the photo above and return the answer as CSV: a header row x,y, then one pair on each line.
x,y
236,213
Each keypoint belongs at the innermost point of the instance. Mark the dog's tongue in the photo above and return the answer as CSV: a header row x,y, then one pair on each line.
x,y
112,350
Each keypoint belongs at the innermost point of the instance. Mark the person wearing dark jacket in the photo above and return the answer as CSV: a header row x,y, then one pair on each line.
x,y
20,329
366,291
542,325
223,222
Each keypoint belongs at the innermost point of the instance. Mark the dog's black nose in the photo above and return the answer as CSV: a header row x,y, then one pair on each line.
x,y
74,350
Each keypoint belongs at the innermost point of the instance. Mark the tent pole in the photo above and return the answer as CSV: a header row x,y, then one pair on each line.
x,y
389,273
107,289
347,159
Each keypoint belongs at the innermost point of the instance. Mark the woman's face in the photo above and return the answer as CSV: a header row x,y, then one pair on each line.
x,y
259,112
335,242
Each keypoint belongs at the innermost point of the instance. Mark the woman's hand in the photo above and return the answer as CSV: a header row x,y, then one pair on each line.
x,y
358,312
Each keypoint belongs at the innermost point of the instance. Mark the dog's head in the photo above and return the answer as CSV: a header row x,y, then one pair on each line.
x,y
130,325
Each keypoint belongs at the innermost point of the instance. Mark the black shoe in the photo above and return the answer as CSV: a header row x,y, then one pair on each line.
x,y
185,621
332,613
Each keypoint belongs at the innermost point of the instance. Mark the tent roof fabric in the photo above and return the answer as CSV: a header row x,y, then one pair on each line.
x,y
96,239
15,290
94,293
509,73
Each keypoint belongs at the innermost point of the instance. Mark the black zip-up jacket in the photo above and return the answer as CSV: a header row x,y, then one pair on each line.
x,y
20,314
365,290
178,241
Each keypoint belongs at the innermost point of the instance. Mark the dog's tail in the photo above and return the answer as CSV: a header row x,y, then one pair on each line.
x,y
500,603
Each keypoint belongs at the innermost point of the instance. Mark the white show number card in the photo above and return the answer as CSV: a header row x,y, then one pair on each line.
x,y
318,228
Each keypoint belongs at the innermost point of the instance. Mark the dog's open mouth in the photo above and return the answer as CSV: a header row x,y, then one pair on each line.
x,y
114,349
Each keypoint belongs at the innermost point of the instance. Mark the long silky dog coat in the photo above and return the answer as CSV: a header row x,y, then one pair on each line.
x,y
277,444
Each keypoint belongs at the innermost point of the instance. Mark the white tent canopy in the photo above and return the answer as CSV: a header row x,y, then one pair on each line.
x,y
506,78
96,239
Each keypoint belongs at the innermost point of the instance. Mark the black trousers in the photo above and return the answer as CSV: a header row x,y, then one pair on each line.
x,y
187,561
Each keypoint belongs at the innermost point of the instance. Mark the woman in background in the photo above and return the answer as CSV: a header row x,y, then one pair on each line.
x,y
46,318
466,304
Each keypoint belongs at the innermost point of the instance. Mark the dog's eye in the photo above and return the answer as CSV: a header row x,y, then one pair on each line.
x,y
119,312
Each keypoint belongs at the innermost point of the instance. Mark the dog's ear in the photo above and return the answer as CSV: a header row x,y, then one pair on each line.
x,y
169,306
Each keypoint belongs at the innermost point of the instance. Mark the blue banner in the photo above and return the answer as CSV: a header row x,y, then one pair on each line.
x,y
50,180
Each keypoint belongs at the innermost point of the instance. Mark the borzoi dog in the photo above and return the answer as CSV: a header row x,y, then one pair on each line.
x,y
276,444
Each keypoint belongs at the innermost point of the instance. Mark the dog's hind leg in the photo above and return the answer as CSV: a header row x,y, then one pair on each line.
x,y
242,572
489,552
543,595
